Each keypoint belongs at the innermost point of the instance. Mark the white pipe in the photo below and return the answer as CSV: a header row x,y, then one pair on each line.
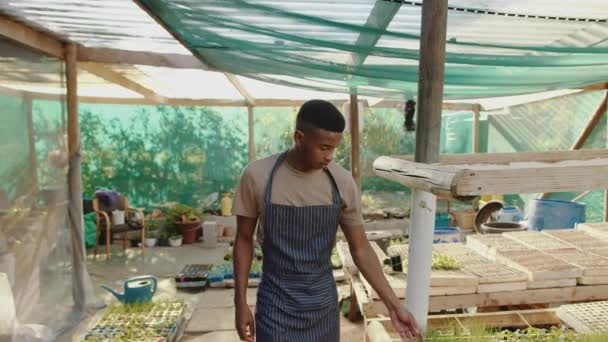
x,y
420,255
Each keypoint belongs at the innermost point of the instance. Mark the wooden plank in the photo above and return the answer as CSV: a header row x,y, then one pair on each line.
x,y
502,287
119,57
518,157
430,80
72,100
33,167
598,230
114,77
596,86
533,296
476,110
448,106
533,178
551,283
355,164
240,88
35,40
592,280
428,177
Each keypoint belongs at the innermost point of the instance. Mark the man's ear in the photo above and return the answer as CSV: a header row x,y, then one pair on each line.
x,y
298,137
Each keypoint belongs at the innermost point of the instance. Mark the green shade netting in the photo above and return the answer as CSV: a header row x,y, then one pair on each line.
x,y
339,45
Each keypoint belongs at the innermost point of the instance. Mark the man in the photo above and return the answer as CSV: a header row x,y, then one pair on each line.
x,y
300,198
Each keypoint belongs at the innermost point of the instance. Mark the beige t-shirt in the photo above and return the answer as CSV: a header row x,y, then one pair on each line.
x,y
295,188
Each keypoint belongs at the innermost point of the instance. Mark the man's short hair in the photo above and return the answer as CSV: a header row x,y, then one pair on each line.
x,y
320,114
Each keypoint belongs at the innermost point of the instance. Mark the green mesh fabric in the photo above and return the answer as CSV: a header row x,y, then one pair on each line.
x,y
340,45
550,125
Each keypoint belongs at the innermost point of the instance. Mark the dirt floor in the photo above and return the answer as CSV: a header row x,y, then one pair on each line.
x,y
211,311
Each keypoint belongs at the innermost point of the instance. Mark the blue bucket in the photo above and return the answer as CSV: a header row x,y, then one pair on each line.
x,y
555,214
442,220
447,235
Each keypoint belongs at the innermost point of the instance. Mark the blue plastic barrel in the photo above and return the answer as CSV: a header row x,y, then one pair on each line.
x,y
554,214
447,235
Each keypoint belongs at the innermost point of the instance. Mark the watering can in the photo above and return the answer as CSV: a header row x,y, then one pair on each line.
x,y
137,290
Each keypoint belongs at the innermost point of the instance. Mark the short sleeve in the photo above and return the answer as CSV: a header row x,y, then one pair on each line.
x,y
351,213
245,199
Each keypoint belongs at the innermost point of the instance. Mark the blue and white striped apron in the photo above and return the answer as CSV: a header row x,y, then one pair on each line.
x,y
297,298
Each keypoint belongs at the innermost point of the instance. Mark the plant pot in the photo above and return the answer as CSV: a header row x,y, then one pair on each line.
x,y
163,242
228,231
175,242
188,231
150,242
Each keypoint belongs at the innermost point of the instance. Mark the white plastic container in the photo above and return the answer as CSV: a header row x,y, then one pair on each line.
x,y
209,234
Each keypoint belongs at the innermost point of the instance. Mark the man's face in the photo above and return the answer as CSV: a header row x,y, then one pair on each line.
x,y
317,146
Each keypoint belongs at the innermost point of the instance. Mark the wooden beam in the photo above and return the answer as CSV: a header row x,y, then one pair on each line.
x,y
114,56
379,18
476,110
445,106
355,163
250,122
462,181
32,39
32,145
430,83
240,88
606,206
539,296
596,86
114,77
517,157
593,121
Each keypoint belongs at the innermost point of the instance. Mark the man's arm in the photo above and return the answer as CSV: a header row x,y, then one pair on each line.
x,y
243,255
367,262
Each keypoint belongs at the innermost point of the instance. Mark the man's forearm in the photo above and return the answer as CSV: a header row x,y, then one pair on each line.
x,y
243,255
368,264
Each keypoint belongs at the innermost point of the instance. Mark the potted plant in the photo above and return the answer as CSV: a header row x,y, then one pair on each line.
x,y
175,240
151,233
187,220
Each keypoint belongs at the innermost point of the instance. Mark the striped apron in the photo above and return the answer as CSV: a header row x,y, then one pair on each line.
x,y
297,298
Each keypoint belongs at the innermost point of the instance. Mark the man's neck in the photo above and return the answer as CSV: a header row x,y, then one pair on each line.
x,y
295,161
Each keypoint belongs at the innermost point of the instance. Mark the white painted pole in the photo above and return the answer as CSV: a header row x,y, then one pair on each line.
x,y
420,254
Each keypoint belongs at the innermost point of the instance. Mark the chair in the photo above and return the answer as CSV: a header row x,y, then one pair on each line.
x,y
103,222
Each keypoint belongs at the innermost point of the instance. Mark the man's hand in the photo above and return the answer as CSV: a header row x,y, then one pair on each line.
x,y
405,324
245,324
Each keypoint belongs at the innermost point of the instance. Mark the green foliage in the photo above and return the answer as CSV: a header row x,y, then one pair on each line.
x,y
160,154
180,211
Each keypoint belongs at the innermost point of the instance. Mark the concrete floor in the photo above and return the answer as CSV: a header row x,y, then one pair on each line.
x,y
211,311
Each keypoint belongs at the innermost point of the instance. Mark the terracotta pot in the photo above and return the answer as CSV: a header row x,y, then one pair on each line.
x,y
228,231
189,231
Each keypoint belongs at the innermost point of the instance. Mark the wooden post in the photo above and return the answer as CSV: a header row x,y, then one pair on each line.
x,y
606,206
251,133
430,94
355,164
27,99
476,110
72,100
